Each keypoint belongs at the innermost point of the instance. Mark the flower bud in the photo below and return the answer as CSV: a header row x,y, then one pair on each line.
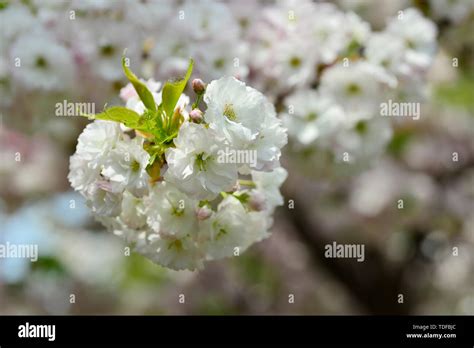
x,y
203,213
196,116
198,86
257,201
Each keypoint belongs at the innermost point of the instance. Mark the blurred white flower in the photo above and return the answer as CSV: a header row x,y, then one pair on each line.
x,y
386,50
358,88
148,15
364,141
293,64
312,116
208,19
455,10
418,35
15,20
41,62
102,43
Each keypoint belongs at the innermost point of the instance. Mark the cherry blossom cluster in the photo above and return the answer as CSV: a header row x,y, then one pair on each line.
x,y
155,172
331,73
57,46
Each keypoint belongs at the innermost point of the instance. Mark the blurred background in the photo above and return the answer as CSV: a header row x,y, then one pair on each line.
x,y
71,52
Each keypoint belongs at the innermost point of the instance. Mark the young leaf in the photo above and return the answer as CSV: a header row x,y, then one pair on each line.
x,y
142,91
118,114
172,91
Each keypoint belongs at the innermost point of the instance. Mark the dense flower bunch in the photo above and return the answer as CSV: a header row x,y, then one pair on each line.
x,y
332,72
66,44
170,181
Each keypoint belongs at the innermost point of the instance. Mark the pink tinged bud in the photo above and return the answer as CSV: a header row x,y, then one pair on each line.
x,y
203,213
196,116
198,86
257,201
128,92
104,185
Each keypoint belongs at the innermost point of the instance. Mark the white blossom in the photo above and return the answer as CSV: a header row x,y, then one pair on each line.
x,y
170,211
269,184
229,228
93,147
125,167
193,164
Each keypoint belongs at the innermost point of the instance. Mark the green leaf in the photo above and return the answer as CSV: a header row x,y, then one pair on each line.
x,y
152,123
167,139
142,91
145,123
458,93
172,91
118,114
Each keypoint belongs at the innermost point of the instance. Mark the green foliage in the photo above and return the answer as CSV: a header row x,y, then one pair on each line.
x,y
142,91
118,114
172,91
399,142
147,123
215,304
242,197
151,122
140,270
254,270
3,4
158,124
458,94
49,264
353,49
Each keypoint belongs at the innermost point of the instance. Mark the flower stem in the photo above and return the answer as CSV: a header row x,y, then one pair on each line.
x,y
196,103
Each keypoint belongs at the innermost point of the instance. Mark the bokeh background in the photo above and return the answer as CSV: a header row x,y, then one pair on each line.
x,y
72,52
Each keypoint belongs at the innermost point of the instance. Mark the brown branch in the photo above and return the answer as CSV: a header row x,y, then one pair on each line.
x,y
375,283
